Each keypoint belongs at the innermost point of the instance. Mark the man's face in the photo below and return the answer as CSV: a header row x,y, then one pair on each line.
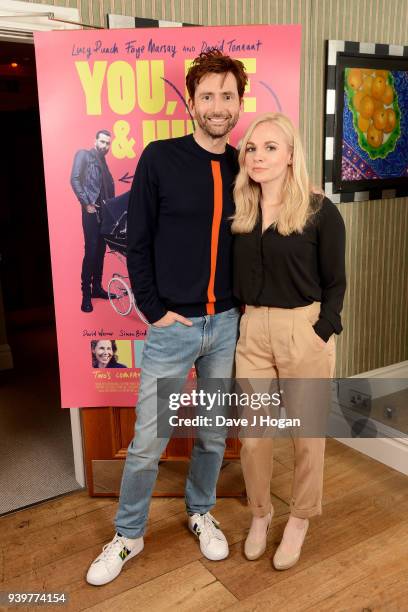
x,y
102,144
216,105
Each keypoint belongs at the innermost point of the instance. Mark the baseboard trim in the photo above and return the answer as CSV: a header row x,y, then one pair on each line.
x,y
395,370
389,450
392,452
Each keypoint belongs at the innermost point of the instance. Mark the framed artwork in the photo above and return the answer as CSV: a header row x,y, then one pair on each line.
x,y
366,121
125,21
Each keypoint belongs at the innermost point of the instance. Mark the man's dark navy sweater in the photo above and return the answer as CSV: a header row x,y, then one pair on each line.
x,y
179,253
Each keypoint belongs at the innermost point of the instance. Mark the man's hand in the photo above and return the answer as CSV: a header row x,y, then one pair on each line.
x,y
170,318
90,208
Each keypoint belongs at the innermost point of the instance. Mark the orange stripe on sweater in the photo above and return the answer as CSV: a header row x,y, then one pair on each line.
x,y
215,231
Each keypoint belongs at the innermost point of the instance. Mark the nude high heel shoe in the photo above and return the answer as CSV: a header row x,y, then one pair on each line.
x,y
282,560
255,547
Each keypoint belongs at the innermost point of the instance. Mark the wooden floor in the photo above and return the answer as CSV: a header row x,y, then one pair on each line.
x,y
355,557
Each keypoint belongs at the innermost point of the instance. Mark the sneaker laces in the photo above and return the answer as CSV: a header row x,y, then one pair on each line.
x,y
112,549
211,526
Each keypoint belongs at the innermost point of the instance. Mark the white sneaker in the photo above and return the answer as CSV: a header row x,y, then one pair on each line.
x,y
113,557
213,543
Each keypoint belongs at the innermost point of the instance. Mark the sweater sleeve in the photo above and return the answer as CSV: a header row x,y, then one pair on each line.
x,y
331,256
142,218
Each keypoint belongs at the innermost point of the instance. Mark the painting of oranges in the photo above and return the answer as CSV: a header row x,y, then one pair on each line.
x,y
373,101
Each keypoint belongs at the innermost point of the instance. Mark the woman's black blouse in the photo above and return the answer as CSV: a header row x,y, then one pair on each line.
x,y
295,270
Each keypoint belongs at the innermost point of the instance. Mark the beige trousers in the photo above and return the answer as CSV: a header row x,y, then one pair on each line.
x,y
281,343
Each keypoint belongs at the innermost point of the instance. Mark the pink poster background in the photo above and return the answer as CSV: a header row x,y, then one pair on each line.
x,y
71,114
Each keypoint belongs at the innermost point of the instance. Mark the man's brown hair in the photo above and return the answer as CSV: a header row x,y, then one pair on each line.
x,y
213,61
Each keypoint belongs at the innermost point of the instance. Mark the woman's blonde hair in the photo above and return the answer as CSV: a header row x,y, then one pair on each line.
x,y
298,205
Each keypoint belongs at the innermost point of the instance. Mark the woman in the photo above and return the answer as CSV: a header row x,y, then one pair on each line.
x,y
104,354
289,271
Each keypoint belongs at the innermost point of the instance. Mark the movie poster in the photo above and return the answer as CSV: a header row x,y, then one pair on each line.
x,y
104,95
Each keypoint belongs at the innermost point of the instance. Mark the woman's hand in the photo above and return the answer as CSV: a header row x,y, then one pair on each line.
x,y
320,340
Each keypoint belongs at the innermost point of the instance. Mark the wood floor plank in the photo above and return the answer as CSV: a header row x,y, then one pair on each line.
x,y
59,557
189,588
70,506
73,536
61,564
345,523
55,542
68,535
341,476
168,547
305,588
352,473
354,556
283,450
162,507
382,591
47,514
66,538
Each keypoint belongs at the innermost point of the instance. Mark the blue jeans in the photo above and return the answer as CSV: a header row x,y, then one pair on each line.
x,y
170,352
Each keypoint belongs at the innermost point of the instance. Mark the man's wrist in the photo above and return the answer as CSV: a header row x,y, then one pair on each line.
x,y
154,314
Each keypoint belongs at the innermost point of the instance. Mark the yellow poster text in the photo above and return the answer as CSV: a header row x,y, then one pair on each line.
x,y
126,85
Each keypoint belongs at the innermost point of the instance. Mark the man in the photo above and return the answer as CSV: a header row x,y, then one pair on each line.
x,y
179,262
92,182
